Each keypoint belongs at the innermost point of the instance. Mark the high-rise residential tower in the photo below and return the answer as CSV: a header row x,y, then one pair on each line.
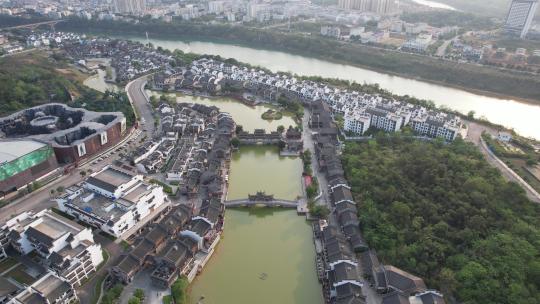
x,y
381,7
520,16
132,7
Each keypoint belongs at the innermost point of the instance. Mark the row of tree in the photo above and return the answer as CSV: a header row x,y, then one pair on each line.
x,y
442,212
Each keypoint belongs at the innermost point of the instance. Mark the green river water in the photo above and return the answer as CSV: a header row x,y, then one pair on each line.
x,y
266,256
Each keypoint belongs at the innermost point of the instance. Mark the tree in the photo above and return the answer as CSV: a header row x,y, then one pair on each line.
x,y
134,300
280,129
139,293
235,142
239,129
60,189
481,250
179,290
471,114
82,173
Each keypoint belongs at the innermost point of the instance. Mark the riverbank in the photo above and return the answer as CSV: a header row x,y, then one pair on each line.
x,y
474,78
266,256
282,259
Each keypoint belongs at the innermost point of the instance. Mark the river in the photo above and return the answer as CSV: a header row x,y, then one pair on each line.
x,y
249,117
434,4
523,117
266,256
98,83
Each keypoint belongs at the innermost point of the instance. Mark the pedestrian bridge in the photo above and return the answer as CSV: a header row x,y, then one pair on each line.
x,y
246,202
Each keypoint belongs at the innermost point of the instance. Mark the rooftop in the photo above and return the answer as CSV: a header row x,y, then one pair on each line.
x,y
51,227
98,205
11,149
113,176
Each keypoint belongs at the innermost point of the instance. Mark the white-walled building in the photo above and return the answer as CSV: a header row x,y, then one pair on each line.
x,y
65,246
113,200
357,122
520,16
133,7
49,289
360,110
436,124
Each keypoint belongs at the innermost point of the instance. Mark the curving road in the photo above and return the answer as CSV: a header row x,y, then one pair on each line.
x,y
139,100
474,135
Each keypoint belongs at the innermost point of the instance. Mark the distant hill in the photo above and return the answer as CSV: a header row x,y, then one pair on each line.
x,y
33,78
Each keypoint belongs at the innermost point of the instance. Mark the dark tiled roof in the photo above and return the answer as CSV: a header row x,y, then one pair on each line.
x,y
143,248
349,294
344,272
341,194
39,236
431,297
128,264
395,298
402,281
352,232
101,184
200,227
348,217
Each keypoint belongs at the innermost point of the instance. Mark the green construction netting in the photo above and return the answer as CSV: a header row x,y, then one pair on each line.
x,y
24,162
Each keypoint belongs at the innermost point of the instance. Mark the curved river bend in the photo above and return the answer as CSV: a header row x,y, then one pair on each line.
x,y
522,117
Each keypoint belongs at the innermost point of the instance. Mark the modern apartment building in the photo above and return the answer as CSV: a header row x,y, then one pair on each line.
x,y
64,246
381,7
49,289
520,16
132,7
114,200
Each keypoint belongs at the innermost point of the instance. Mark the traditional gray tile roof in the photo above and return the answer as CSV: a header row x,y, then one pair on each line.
x,y
395,298
403,281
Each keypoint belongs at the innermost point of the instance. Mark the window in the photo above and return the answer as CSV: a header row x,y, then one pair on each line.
x,y
81,148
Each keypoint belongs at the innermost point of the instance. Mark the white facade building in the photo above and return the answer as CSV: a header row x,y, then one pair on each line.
x,y
113,199
357,123
132,7
360,110
49,289
520,16
65,246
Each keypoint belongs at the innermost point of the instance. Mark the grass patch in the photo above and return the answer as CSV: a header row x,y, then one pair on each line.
x,y
166,188
272,115
97,290
125,245
167,299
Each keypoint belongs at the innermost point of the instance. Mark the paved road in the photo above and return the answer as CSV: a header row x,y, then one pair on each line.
x,y
86,292
138,98
372,297
475,136
41,199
